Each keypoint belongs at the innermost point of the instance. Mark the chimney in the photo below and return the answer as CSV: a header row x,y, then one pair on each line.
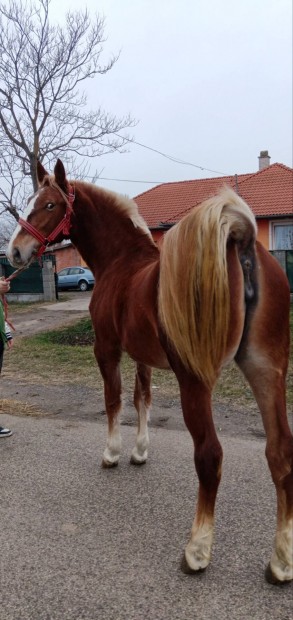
x,y
264,160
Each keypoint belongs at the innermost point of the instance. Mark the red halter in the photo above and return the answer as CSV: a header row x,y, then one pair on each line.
x,y
64,226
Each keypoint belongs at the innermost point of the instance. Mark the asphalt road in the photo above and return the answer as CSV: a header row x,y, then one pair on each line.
x,y
49,316
79,542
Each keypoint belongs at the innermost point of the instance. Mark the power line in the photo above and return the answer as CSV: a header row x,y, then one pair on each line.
x,y
132,180
174,159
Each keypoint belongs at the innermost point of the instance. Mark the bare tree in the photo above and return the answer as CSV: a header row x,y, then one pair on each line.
x,y
6,229
43,111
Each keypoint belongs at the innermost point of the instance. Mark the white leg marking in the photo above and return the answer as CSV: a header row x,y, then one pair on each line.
x,y
140,451
113,447
282,558
198,550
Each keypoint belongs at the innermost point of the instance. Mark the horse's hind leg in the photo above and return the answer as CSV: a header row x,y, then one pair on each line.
x,y
264,365
196,406
142,402
110,371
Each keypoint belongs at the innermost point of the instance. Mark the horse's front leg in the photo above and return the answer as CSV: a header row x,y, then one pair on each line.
x,y
142,402
110,370
196,406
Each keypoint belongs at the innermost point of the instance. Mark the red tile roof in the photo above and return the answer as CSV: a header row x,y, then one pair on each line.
x,y
268,192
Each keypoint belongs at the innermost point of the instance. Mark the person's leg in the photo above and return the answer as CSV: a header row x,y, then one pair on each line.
x,y
1,353
4,432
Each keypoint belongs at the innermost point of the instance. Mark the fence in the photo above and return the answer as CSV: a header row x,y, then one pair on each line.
x,y
36,283
285,258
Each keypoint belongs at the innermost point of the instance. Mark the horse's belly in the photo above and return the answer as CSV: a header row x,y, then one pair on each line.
x,y
145,349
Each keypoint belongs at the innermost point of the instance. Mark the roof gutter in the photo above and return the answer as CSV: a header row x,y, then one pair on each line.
x,y
276,216
162,226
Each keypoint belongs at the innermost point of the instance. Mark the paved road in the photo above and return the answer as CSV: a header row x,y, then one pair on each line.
x,y
79,542
50,316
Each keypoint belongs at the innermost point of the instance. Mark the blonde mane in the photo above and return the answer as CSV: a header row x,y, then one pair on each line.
x,y
126,205
129,207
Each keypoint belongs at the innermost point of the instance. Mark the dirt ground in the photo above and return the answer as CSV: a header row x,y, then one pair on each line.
x,y
77,402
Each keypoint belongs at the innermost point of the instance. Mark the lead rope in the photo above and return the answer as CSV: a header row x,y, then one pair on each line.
x,y
15,273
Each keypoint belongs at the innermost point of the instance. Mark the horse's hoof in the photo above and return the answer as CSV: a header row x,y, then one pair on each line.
x,y
108,465
271,578
186,568
133,461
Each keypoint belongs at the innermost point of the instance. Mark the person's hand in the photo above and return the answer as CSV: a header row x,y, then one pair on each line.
x,y
4,286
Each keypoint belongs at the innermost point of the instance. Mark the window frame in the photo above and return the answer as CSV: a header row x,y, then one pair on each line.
x,y
273,226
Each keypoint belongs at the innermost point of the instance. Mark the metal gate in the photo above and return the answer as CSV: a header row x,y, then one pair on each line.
x,y
31,279
285,258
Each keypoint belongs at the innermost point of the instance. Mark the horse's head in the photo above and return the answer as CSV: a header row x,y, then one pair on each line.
x,y
46,218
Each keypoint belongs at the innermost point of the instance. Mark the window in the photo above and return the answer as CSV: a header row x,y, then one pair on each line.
x,y
282,235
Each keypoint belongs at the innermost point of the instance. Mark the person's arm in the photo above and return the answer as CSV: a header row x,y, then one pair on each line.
x,y
4,286
8,336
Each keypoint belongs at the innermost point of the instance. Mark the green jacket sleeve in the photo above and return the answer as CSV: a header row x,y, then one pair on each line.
x,y
2,324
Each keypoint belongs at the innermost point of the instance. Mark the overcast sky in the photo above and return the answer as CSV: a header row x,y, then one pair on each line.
x,y
208,81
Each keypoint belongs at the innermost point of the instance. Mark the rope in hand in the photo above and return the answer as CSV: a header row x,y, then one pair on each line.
x,y
15,273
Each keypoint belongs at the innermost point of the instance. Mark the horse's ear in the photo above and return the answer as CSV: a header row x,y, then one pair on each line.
x,y
60,174
41,172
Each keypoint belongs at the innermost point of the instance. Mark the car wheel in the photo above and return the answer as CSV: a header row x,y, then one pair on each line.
x,y
83,285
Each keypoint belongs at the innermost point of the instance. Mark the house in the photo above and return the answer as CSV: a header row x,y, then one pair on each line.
x,y
269,193
66,255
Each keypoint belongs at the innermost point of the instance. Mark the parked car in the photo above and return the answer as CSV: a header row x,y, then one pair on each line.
x,y
75,277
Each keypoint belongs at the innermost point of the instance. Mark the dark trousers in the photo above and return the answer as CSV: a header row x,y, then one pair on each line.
x,y
1,353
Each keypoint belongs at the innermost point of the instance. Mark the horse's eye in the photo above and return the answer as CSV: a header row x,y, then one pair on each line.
x,y
50,206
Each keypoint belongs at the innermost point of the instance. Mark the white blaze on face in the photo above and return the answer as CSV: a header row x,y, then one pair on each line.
x,y
29,246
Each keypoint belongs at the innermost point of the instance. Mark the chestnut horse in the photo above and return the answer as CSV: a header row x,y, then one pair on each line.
x,y
210,295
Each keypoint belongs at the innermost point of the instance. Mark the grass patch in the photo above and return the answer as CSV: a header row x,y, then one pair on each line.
x,y
50,357
78,334
35,359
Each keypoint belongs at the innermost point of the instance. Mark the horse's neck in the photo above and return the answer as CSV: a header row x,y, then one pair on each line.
x,y
102,237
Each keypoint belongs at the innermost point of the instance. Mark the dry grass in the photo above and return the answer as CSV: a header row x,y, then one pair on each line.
x,y
15,407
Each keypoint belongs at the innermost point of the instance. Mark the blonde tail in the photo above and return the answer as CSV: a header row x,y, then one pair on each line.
x,y
194,297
